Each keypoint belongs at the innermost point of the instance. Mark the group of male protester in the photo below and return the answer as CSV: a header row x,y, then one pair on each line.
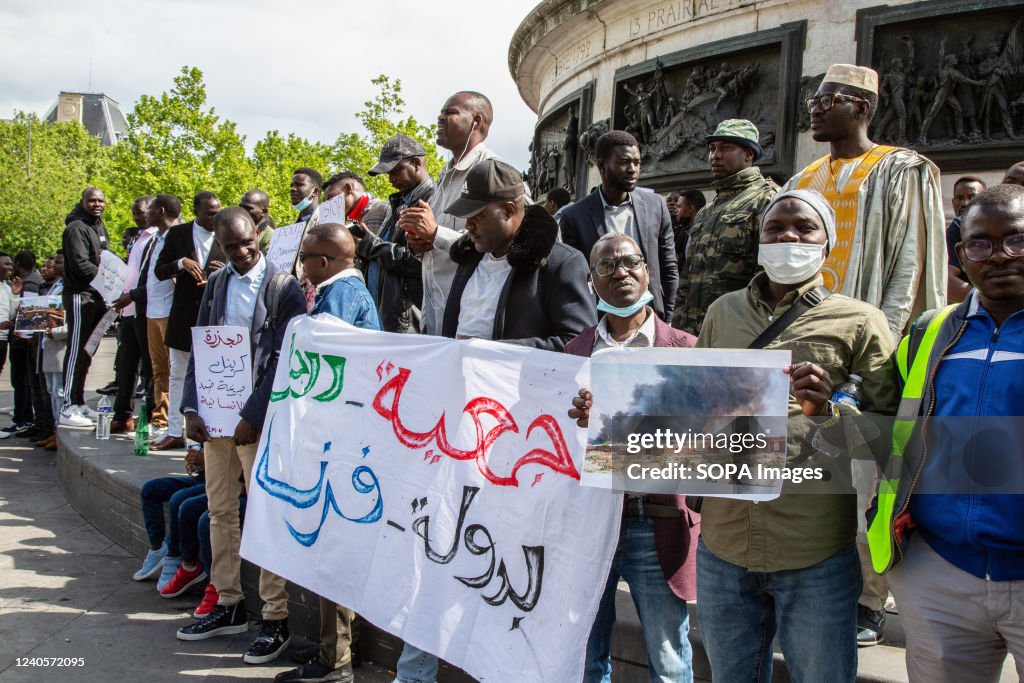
x,y
835,267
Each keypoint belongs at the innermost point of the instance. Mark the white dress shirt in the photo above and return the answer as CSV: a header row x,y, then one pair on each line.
x,y
242,293
135,266
159,293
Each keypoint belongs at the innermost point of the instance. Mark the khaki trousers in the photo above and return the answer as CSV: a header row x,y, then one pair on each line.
x,y
876,589
959,627
225,464
335,634
160,359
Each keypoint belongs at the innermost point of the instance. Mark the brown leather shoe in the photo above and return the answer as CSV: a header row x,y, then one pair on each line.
x,y
47,442
123,426
168,443
52,445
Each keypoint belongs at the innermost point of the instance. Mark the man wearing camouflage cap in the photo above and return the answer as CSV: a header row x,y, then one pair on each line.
x,y
721,256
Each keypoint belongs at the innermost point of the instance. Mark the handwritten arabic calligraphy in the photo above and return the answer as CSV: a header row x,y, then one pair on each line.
x,y
213,338
559,460
364,481
525,600
224,378
304,373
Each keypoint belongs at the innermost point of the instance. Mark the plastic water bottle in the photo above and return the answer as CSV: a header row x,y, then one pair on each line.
x,y
142,431
849,391
105,413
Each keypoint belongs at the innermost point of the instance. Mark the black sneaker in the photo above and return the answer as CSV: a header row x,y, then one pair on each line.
x,y
870,625
270,643
30,432
109,390
315,672
223,620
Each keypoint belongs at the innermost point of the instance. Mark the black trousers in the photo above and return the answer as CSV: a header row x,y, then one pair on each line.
x,y
21,379
46,421
82,311
132,363
42,413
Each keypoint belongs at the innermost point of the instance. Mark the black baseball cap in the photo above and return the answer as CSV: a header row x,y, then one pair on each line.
x,y
394,150
489,181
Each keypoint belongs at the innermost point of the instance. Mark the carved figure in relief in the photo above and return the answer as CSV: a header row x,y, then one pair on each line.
x,y
643,108
947,78
997,70
570,144
589,137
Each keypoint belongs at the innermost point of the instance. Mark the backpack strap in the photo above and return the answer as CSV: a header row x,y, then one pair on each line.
x,y
218,286
274,291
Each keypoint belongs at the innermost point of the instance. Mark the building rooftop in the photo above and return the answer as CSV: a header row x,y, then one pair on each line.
x,y
99,113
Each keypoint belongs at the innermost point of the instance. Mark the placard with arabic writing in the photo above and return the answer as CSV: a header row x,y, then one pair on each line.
x,y
223,359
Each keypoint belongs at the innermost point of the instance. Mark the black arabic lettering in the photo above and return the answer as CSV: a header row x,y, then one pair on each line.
x,y
526,599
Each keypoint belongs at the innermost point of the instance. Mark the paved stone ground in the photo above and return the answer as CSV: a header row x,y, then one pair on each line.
x,y
66,590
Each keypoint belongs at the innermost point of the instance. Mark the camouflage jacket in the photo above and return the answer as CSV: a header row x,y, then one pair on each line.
x,y
721,255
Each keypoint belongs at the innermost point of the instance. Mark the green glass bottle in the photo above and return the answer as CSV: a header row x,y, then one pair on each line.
x,y
142,431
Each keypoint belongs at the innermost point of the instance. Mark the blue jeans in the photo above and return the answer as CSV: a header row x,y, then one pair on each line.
x,y
813,610
205,549
189,513
155,493
663,616
416,666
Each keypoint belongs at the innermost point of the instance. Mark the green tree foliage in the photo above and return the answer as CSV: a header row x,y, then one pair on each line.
x,y
382,117
275,158
177,143
39,187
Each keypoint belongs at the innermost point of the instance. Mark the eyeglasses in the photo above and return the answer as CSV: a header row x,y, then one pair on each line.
x,y
826,101
607,266
981,249
303,255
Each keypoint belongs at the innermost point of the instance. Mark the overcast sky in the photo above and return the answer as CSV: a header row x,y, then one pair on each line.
x,y
269,64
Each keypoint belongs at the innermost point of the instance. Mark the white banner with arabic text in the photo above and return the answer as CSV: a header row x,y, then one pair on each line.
x,y
433,487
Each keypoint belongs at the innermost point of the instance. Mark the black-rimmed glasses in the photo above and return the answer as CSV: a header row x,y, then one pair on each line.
x,y
827,100
607,266
981,249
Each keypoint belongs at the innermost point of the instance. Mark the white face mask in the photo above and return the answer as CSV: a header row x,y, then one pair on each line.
x,y
791,263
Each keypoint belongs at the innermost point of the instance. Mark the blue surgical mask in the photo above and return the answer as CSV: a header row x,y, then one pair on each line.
x,y
301,206
628,311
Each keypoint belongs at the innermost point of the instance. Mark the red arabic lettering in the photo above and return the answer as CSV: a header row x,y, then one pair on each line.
x,y
559,461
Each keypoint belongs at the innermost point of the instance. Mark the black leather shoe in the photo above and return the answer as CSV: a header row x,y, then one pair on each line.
x,y
222,621
270,643
870,625
315,672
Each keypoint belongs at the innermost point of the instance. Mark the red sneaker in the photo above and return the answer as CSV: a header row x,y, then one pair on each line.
x,y
183,579
210,598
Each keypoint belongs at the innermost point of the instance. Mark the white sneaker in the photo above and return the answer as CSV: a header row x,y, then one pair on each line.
x,y
9,410
70,417
87,412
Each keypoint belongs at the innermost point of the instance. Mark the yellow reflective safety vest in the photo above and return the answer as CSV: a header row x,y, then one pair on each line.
x,y
917,360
